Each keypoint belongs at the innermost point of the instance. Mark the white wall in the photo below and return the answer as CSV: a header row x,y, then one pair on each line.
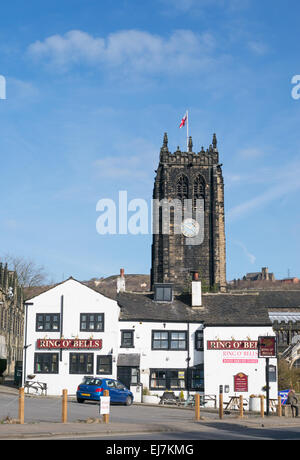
x,y
77,299
160,359
81,299
217,372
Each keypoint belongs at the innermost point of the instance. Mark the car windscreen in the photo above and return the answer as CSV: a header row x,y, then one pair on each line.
x,y
91,381
95,382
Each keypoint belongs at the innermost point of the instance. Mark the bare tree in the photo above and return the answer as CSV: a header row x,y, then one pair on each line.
x,y
29,273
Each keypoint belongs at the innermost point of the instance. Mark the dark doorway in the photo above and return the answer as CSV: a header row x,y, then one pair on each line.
x,y
128,375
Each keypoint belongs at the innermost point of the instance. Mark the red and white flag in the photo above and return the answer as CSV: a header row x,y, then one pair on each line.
x,y
183,121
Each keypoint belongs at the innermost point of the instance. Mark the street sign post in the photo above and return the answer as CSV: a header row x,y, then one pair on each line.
x,y
104,406
267,348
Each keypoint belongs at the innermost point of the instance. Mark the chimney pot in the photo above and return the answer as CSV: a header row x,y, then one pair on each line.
x,y
196,292
121,282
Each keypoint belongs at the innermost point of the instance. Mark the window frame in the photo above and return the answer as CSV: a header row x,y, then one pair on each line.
x,y
110,364
46,355
168,379
127,331
88,322
165,298
196,374
170,340
197,340
44,315
85,371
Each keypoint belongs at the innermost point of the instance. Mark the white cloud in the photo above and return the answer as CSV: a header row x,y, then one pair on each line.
x,y
131,50
137,162
285,182
115,167
251,153
250,257
258,48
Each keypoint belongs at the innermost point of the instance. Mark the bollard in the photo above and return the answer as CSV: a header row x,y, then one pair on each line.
x,y
106,416
262,410
279,407
197,407
64,417
221,405
21,406
241,406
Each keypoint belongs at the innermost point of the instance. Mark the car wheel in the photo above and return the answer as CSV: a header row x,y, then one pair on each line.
x,y
80,401
128,401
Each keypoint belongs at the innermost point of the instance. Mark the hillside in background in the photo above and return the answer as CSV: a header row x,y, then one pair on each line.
x,y
141,283
106,286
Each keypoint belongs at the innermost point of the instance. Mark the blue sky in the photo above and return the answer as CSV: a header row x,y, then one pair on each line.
x,y
91,88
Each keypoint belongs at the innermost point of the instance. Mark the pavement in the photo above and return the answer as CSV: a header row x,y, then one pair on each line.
x,y
94,427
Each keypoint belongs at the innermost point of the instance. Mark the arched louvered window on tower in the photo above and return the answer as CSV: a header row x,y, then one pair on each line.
x,y
182,188
199,190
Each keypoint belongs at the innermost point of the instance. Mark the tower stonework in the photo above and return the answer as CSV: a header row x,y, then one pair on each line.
x,y
193,177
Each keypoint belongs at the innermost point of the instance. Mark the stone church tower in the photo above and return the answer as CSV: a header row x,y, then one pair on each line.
x,y
195,178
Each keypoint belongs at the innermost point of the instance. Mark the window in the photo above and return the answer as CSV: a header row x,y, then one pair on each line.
x,y
104,365
169,340
163,293
178,340
110,384
92,381
92,322
46,363
158,379
197,378
160,340
199,190
135,376
81,363
167,379
48,322
182,188
199,341
127,339
120,386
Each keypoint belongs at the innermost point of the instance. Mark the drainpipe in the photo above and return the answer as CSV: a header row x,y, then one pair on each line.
x,y
61,322
188,360
24,371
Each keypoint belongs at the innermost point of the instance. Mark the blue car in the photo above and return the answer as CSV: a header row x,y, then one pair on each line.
x,y
93,387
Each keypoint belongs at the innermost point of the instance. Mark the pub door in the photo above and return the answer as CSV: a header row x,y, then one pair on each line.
x,y
128,375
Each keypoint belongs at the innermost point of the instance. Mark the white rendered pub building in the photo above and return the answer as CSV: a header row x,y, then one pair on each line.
x,y
154,340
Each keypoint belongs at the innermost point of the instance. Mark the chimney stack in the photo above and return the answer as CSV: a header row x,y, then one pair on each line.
x,y
196,291
121,282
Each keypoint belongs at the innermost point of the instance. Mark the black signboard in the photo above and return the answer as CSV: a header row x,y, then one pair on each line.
x,y
267,347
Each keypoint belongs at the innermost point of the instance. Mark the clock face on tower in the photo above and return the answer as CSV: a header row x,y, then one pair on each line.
x,y
190,228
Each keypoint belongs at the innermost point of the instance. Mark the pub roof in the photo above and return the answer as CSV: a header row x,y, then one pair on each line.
x,y
217,309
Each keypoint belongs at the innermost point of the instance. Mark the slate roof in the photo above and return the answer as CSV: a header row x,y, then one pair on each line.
x,y
280,299
218,309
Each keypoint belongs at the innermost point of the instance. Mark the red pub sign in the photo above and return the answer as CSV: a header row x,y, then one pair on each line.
x,y
65,344
267,347
241,383
232,345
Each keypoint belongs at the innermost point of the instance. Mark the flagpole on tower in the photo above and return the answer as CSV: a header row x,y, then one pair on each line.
x,y
187,130
185,121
